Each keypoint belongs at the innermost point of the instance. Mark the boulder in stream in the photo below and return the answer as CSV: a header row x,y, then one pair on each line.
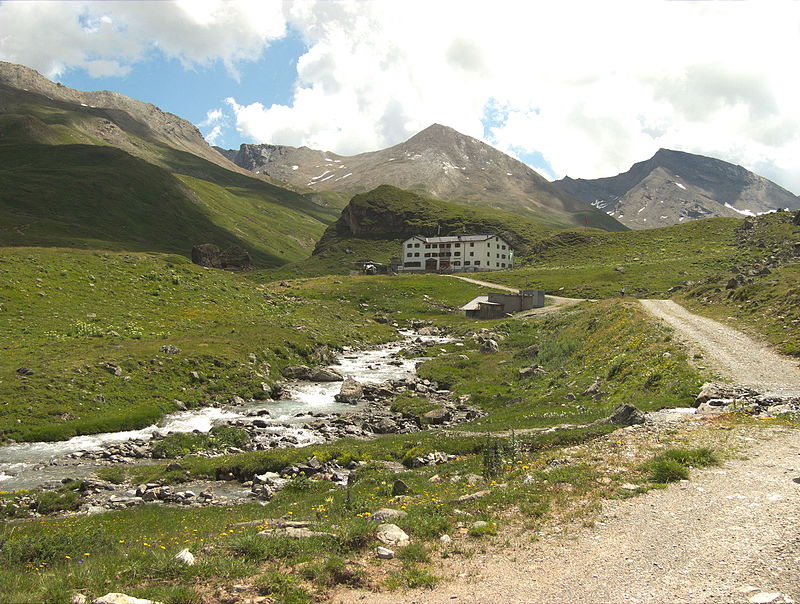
x,y
351,392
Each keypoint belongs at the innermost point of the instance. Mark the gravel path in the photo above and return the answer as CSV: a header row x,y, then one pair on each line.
x,y
733,355
730,534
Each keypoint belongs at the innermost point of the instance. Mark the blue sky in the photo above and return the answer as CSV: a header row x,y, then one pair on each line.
x,y
583,89
192,92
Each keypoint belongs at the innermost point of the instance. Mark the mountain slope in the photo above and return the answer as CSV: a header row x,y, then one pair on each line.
x,y
438,162
98,169
374,224
673,187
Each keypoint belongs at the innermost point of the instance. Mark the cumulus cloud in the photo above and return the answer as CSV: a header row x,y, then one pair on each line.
x,y
593,87
109,38
590,88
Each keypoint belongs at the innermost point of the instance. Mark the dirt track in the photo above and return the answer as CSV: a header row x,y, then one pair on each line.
x,y
733,355
708,540
728,535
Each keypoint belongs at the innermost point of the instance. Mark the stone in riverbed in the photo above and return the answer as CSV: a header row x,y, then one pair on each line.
x,y
351,392
437,416
312,374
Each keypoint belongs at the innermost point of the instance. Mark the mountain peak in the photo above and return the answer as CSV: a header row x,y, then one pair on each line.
x,y
676,186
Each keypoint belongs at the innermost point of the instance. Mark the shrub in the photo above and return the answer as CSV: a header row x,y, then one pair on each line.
x,y
259,547
49,502
694,458
667,470
412,578
414,552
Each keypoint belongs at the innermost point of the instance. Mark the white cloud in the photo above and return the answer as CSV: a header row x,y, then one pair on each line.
x,y
213,136
108,38
592,87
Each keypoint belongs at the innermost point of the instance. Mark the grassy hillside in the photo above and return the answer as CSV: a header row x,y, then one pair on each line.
x,y
761,290
101,197
644,263
82,176
67,312
541,480
374,224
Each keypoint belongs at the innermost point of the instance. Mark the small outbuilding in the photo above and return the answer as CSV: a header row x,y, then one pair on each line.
x,y
497,305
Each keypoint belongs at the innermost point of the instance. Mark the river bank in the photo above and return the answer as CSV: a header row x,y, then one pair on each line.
x,y
305,413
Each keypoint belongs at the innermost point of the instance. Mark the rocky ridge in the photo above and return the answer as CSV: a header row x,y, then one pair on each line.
x,y
438,162
673,187
111,117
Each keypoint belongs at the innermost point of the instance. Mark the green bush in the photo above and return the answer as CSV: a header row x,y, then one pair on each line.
x,y
333,571
49,502
667,470
693,458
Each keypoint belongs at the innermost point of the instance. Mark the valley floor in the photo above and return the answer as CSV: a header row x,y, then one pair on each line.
x,y
728,535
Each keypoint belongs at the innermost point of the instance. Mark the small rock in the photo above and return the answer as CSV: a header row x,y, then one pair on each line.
x,y
170,349
764,597
472,496
112,368
445,539
118,598
400,488
384,553
25,371
389,514
185,556
295,533
79,599
391,534
489,346
624,415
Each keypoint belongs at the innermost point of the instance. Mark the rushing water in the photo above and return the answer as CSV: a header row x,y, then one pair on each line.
x,y
25,465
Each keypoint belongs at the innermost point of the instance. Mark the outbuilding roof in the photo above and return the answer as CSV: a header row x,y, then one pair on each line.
x,y
476,303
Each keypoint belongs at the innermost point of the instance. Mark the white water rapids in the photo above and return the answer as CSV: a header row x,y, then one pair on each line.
x,y
25,465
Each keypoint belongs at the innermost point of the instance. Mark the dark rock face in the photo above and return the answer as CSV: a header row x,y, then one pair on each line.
x,y
674,187
210,255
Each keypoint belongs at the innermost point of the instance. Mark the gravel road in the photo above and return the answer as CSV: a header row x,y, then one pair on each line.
x,y
733,355
730,534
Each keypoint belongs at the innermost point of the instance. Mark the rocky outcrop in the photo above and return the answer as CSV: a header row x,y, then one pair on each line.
x,y
439,162
211,256
674,187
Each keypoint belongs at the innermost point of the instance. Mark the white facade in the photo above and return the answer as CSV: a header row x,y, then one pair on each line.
x,y
457,253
